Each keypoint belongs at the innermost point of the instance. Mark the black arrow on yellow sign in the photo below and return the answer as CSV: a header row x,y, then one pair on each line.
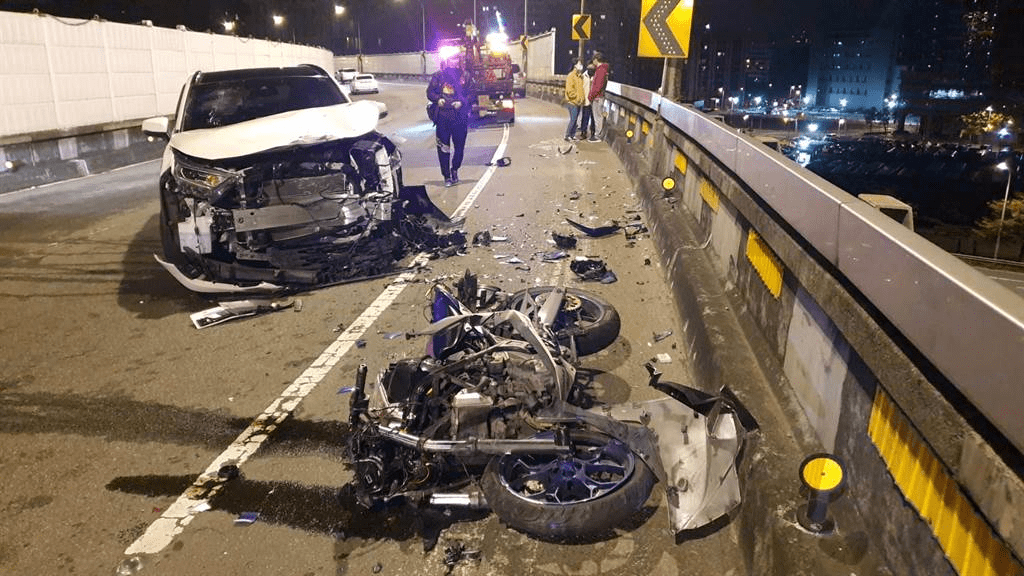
x,y
581,26
657,23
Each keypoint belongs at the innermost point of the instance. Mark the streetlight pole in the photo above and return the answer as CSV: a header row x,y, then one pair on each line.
x,y
1006,199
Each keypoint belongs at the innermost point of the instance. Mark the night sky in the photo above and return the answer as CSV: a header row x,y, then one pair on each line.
x,y
754,19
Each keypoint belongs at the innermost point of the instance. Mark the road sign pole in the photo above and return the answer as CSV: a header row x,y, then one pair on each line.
x,y
671,78
582,41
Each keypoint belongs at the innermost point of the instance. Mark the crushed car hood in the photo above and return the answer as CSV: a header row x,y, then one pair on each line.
x,y
298,127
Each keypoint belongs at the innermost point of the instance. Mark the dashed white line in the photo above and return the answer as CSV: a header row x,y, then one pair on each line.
x,y
196,499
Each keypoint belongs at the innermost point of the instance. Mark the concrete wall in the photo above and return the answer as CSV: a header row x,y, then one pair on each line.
x,y
73,92
939,489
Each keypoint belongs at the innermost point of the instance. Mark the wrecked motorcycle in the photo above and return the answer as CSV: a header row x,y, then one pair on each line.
x,y
496,415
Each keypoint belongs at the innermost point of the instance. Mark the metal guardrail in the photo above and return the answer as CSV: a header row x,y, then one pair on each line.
x,y
966,324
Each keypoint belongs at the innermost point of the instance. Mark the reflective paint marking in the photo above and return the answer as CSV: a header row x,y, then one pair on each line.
x,y
196,498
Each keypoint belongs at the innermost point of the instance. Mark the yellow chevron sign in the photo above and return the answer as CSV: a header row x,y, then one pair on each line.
x,y
581,26
665,28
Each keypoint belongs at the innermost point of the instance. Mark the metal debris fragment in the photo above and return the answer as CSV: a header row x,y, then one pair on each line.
x,y
246,518
482,238
659,336
566,242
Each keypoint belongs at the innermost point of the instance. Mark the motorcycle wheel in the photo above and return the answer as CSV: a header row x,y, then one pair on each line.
x,y
580,496
586,316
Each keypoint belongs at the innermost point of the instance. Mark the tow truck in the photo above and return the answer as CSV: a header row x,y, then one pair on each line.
x,y
491,72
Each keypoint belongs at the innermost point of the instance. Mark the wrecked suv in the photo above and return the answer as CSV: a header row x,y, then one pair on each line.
x,y
272,178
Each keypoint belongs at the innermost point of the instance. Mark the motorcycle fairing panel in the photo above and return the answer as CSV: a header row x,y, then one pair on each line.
x,y
299,199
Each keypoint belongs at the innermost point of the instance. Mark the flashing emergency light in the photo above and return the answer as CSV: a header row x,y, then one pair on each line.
x,y
497,42
446,52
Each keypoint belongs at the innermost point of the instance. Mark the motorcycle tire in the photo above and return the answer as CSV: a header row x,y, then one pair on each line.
x,y
553,498
597,328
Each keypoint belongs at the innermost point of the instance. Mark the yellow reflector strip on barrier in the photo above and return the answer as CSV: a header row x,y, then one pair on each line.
x,y
709,194
645,127
765,262
964,536
680,162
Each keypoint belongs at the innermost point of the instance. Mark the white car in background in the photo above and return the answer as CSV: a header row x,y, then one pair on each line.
x,y
364,84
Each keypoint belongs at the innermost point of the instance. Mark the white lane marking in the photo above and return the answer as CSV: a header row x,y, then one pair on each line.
x,y
196,498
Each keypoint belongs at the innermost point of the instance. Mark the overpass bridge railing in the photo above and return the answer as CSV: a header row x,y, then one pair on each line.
x,y
905,360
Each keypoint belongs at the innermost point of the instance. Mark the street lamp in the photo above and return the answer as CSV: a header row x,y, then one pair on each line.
x,y
1006,199
423,16
278,22
229,26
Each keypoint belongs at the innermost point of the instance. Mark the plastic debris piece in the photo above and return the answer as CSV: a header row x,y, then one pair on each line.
x,y
566,242
588,268
394,335
513,260
298,305
482,238
556,255
595,232
246,518
524,268
228,472
377,568
659,336
574,195
201,507
455,553
501,256
360,343
499,238
346,389
609,277
503,161
663,358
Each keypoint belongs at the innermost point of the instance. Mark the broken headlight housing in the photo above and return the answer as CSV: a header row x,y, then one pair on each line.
x,y
203,182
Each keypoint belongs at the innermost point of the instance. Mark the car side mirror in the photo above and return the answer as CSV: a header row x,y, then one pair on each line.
x,y
156,127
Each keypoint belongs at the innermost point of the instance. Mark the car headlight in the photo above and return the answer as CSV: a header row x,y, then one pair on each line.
x,y
203,181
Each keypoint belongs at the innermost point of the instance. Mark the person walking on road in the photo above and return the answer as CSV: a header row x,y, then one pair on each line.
x,y
597,86
574,97
448,93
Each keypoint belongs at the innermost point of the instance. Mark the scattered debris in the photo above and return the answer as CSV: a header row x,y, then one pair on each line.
x,y
662,358
503,161
524,268
595,232
201,507
360,343
394,335
455,553
233,309
659,336
556,255
647,261
482,238
298,305
609,277
564,242
634,230
574,195
246,518
346,390
513,260
377,568
564,151
588,268
499,238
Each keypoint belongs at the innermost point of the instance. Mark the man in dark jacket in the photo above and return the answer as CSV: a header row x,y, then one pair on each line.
x,y
448,91
597,86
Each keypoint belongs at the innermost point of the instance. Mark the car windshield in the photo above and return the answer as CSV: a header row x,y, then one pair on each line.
x,y
233,101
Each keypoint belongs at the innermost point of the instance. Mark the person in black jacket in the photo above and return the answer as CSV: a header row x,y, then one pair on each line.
x,y
448,92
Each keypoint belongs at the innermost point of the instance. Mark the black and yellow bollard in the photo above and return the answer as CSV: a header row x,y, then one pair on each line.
x,y
823,479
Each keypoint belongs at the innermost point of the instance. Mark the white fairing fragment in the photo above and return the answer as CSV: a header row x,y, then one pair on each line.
x,y
306,126
699,463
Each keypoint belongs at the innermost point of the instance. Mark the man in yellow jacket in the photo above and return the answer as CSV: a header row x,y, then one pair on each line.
x,y
574,97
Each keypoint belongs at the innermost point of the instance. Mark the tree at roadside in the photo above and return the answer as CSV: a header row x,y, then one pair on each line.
x,y
1013,223
983,122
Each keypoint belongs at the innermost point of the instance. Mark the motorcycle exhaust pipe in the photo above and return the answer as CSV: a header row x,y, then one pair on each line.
x,y
359,403
474,500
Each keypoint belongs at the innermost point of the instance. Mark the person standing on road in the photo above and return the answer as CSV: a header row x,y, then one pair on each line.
x,y
448,93
574,97
596,94
587,123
